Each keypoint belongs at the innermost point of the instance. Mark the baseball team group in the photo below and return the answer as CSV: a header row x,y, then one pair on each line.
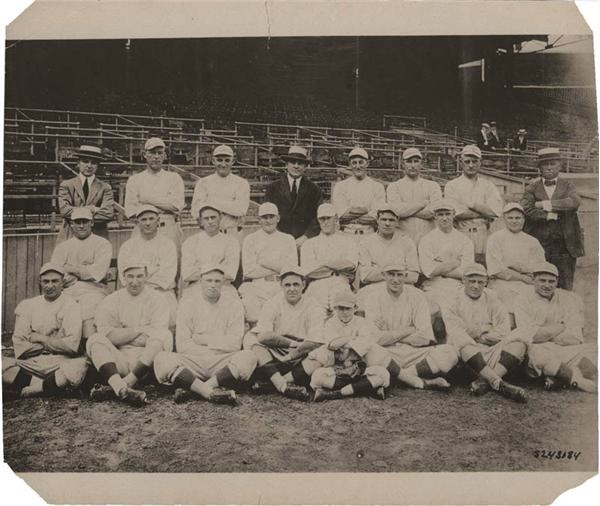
x,y
381,286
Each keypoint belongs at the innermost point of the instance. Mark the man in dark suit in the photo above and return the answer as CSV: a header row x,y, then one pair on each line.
x,y
86,190
520,140
483,137
296,197
550,205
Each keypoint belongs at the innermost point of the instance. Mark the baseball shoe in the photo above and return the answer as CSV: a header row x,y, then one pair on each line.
x,y
297,392
379,394
262,388
220,396
133,397
182,395
100,393
479,387
326,395
439,384
585,385
512,392
551,384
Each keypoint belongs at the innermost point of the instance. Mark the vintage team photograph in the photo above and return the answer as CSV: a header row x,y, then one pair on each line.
x,y
300,254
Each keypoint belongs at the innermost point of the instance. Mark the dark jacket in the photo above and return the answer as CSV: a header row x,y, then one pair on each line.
x,y
565,203
299,218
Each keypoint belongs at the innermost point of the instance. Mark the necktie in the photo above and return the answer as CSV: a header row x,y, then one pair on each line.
x,y
86,189
294,190
551,182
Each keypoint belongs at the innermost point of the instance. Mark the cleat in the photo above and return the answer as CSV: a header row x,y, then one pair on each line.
x,y
327,395
585,385
439,384
512,392
100,393
135,398
297,392
379,394
551,384
479,387
262,388
182,395
219,396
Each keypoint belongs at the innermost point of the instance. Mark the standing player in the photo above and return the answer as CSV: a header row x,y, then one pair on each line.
x,y
478,327
210,329
46,341
356,198
264,253
85,259
86,190
480,197
159,188
229,192
412,195
132,328
330,259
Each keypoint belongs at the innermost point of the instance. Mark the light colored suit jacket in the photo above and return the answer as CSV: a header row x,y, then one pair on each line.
x,y
70,195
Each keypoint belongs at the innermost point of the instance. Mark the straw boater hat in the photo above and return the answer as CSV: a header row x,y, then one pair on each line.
x,y
296,153
92,152
548,154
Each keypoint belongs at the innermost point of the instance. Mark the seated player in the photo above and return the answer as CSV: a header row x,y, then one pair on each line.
x,y
85,258
401,313
157,252
343,368
209,246
46,341
290,325
510,255
388,246
209,358
329,259
133,326
264,253
478,327
551,320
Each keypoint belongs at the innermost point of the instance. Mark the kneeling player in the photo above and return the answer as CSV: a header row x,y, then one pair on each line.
x,y
209,359
46,341
132,328
478,327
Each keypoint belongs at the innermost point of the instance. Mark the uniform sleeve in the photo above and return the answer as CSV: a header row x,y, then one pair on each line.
x,y
65,200
467,252
524,316
184,328
132,197
421,317
451,192
435,191
426,256
366,265
102,257
237,207
165,276
351,250
107,206
378,198
308,256
107,315
59,255
493,255
266,317
315,324
176,193
250,266
231,262
70,322
573,318
493,199
339,199
455,325
188,260
200,196
412,259
234,331
290,252
393,195
160,313
373,309
23,347
500,318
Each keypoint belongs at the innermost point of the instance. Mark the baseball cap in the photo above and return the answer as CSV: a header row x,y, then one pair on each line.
x,y
326,210
154,142
52,267
475,269
81,213
442,204
223,150
394,266
549,154
485,125
384,207
206,268
132,263
344,298
291,269
146,208
472,150
511,206
546,267
410,153
268,208
359,152
207,205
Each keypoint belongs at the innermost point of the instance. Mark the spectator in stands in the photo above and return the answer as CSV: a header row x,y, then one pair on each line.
x,y
357,197
494,139
550,205
520,140
483,137
296,197
159,188
230,192
480,200
411,196
86,190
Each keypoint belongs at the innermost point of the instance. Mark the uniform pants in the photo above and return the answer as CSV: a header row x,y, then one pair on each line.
x,y
544,354
43,366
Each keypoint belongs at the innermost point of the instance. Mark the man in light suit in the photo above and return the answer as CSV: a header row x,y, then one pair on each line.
x,y
296,197
550,205
86,190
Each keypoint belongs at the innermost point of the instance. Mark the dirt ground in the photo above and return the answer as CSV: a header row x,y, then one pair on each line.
x,y
409,431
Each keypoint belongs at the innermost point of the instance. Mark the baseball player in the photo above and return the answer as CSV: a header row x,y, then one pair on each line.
x,y
443,253
159,188
209,358
343,363
551,321
230,193
388,246
209,246
290,326
85,258
510,255
157,252
478,327
407,346
480,199
412,195
264,253
329,259
133,326
46,341
355,198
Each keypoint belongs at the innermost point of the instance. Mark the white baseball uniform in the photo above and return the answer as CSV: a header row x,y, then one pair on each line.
x,y
351,192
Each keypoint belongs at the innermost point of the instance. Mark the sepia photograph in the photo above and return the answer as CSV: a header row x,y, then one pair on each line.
x,y
329,253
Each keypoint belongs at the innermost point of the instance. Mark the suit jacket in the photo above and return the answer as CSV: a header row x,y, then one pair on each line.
x,y
70,195
482,142
565,203
517,144
299,218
